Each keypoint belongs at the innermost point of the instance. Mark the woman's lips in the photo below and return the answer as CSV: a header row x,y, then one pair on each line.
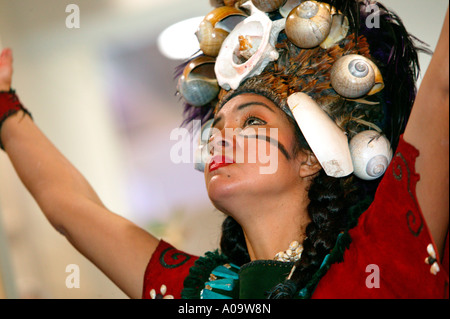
x,y
218,162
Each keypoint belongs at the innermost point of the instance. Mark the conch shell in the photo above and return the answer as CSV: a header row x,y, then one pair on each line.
x,y
248,45
327,141
213,30
262,33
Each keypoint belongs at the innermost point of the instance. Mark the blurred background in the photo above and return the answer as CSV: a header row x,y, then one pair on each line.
x,y
105,95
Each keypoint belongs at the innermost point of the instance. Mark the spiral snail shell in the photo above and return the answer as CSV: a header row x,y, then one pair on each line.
x,y
198,84
309,24
354,76
210,36
268,6
371,154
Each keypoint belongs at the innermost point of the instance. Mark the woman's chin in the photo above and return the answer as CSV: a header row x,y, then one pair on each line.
x,y
220,187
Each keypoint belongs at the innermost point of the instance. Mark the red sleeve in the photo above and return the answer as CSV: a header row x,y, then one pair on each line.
x,y
386,258
166,271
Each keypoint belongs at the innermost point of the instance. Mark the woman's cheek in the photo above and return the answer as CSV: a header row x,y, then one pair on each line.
x,y
258,147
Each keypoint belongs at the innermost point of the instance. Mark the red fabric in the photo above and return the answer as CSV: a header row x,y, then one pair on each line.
x,y
445,263
391,240
168,266
9,105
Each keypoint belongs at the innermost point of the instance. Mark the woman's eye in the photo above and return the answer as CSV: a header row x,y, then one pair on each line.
x,y
254,121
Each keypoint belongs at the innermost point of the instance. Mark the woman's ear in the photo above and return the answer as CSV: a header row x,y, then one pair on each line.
x,y
309,166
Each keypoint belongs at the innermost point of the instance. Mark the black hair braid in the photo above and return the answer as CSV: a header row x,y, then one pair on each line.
x,y
232,242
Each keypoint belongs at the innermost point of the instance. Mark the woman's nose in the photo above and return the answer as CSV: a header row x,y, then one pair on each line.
x,y
218,144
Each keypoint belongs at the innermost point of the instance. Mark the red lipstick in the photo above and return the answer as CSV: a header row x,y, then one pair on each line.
x,y
218,162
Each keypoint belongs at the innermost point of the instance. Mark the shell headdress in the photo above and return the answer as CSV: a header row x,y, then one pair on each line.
x,y
333,66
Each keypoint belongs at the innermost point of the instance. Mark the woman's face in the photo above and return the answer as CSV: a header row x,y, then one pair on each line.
x,y
251,145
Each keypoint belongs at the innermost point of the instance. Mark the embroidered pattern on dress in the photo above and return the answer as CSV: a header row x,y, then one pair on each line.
x,y
173,260
413,219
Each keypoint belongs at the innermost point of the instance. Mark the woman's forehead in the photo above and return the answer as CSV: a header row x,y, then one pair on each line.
x,y
244,100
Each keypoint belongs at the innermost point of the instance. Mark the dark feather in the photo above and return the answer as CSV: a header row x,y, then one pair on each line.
x,y
396,54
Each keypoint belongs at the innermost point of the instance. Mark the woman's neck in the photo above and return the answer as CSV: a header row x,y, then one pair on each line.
x,y
271,226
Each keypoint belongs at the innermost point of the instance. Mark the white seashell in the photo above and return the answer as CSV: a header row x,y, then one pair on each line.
x,y
327,141
309,24
371,154
431,251
169,297
299,250
354,76
289,252
434,269
338,32
294,245
163,290
153,294
230,70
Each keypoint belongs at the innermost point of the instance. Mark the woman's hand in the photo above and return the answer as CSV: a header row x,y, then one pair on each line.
x,y
6,69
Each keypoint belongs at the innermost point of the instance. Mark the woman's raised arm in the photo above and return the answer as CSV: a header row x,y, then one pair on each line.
x,y
115,245
428,131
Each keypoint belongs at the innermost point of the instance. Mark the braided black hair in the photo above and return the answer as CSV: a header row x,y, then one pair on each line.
x,y
232,242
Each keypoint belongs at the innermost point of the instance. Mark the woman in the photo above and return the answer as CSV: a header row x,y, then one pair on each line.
x,y
338,245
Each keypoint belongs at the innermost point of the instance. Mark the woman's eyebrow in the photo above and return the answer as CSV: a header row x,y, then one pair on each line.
x,y
216,120
243,106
